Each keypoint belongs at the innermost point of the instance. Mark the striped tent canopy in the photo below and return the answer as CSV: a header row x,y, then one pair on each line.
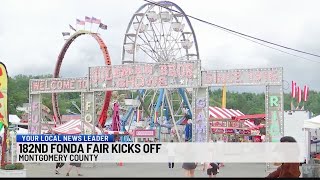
x,y
74,127
223,113
118,132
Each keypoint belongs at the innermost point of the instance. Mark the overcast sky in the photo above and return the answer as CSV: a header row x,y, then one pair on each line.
x,y
30,34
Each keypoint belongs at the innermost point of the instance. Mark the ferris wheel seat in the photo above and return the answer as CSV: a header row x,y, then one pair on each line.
x,y
152,16
165,16
143,27
129,48
177,26
187,44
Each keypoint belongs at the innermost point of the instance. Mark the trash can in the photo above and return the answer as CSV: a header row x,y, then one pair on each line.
x,y
311,170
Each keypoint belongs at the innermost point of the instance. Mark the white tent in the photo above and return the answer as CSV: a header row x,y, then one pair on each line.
x,y
18,131
14,119
313,123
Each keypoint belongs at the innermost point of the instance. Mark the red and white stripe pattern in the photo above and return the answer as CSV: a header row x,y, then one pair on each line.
x,y
305,91
223,113
250,124
118,132
293,89
73,127
299,95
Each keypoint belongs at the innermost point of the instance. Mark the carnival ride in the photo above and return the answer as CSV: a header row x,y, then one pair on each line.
x,y
102,99
155,34
104,50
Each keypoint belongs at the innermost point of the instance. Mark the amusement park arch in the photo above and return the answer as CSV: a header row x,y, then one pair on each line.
x,y
168,63
123,77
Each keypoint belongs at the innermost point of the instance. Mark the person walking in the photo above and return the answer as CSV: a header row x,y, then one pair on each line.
x,y
171,156
286,170
190,168
59,165
220,141
212,169
77,166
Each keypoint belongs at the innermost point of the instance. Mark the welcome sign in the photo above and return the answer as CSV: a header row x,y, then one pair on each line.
x,y
145,76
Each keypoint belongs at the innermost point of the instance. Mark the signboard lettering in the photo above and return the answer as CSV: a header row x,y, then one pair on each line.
x,y
275,118
219,124
87,113
144,133
234,124
217,130
58,85
244,132
200,114
145,76
229,131
257,76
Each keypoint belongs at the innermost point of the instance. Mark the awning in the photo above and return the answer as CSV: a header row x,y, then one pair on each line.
x,y
223,113
74,127
69,117
118,132
313,123
251,116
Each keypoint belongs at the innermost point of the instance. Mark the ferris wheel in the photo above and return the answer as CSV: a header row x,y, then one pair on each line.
x,y
158,33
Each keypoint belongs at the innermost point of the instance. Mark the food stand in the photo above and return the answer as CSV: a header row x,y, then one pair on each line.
x,y
229,130
232,125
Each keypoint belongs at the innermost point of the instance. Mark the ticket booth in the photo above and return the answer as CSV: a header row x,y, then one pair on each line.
x,y
144,135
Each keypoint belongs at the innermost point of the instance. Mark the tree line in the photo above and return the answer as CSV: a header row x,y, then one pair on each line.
x,y
248,103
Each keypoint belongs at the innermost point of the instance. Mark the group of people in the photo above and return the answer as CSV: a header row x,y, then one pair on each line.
x,y
285,170
211,168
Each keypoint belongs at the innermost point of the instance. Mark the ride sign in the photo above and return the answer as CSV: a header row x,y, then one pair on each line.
x,y
144,133
258,76
145,76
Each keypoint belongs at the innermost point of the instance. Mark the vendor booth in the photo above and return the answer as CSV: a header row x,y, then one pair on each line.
x,y
312,168
233,126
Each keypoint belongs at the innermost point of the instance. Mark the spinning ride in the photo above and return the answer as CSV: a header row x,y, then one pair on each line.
x,y
107,97
159,32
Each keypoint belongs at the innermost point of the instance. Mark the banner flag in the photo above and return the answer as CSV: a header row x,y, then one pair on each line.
x,y
103,26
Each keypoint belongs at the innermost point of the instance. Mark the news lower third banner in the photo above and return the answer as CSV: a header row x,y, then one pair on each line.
x,y
103,149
